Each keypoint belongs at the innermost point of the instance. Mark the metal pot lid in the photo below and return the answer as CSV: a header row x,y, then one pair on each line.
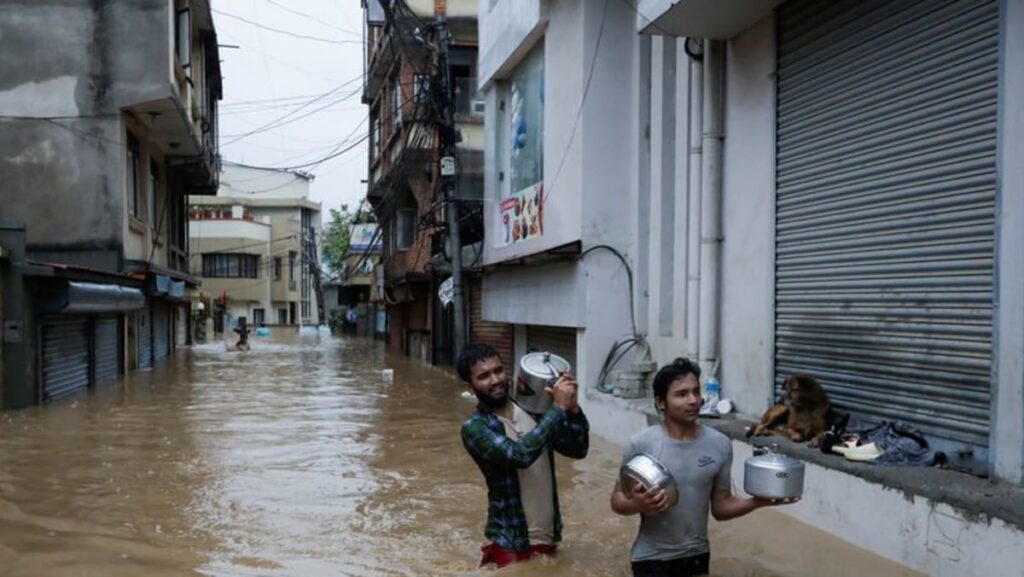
x,y
540,364
775,461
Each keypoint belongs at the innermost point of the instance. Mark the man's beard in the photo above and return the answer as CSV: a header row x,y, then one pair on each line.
x,y
492,402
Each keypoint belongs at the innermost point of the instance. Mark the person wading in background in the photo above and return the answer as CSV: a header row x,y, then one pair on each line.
x,y
515,453
673,542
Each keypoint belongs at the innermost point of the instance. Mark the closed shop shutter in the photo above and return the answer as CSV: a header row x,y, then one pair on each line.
x,y
65,358
161,330
181,324
144,337
886,141
500,336
558,340
107,348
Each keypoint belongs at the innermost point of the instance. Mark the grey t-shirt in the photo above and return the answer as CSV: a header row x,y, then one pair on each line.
x,y
698,466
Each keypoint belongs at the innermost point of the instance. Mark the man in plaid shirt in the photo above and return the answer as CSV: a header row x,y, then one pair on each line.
x,y
515,452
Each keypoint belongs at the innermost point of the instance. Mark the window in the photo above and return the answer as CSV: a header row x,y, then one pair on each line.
x,y
282,316
154,186
183,38
406,229
523,124
463,89
376,134
277,268
291,270
230,265
305,309
396,105
421,88
258,317
133,170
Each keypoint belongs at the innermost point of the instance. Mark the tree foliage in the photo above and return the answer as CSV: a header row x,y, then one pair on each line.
x,y
337,235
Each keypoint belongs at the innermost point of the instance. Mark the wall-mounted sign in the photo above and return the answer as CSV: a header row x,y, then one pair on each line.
x,y
521,216
446,292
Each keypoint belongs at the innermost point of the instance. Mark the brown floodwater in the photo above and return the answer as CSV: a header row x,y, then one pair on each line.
x,y
297,458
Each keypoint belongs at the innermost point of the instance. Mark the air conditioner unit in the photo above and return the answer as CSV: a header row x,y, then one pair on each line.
x,y
374,13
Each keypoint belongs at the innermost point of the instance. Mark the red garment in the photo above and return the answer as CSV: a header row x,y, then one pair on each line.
x,y
492,554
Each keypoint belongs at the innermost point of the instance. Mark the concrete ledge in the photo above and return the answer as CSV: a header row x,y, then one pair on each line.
x,y
975,497
941,522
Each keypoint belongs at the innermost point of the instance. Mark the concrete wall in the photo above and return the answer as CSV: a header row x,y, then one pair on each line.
x,y
258,183
748,256
914,531
79,62
507,28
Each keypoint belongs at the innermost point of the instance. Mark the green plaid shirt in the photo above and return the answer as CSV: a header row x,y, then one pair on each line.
x,y
500,458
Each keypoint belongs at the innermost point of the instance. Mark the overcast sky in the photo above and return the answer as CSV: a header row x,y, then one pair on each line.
x,y
316,81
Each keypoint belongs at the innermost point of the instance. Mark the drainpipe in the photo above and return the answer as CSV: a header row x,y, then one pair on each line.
x,y
711,204
696,113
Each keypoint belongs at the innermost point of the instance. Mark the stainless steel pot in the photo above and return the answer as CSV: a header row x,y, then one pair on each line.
x,y
538,371
645,471
773,476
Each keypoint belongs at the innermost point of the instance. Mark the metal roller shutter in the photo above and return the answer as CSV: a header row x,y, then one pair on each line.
x,y
886,141
106,349
65,358
144,337
161,331
558,340
181,326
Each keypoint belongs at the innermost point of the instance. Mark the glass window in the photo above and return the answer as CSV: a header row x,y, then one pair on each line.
x,y
524,110
133,172
230,265
154,186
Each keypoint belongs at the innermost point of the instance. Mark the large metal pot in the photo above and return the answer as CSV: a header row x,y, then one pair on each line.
x,y
644,471
538,371
773,476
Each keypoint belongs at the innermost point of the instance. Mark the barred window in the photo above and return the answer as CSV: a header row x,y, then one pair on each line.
x,y
231,265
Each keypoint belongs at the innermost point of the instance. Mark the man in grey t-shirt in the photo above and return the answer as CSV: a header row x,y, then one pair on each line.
x,y
673,541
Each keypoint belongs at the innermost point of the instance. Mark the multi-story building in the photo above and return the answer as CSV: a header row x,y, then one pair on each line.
x,y
404,179
255,245
108,119
807,186
353,286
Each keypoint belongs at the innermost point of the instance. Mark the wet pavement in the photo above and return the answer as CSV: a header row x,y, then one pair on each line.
x,y
297,458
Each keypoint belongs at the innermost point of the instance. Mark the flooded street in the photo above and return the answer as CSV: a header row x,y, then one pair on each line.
x,y
296,458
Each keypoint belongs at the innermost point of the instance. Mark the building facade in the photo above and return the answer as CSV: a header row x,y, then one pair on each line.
x,y
827,188
102,138
405,182
255,245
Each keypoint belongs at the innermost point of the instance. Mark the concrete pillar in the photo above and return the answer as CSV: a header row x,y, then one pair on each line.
x,y
15,315
1007,433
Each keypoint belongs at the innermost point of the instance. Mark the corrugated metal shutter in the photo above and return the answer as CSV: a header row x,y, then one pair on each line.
x,y
558,340
885,208
144,337
106,349
65,359
500,336
161,330
181,324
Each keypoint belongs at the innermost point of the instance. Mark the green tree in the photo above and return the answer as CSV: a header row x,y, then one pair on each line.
x,y
337,235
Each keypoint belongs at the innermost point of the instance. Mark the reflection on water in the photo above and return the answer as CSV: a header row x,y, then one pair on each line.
x,y
297,458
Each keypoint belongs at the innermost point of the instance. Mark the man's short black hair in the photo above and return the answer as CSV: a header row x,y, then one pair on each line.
x,y
672,372
472,355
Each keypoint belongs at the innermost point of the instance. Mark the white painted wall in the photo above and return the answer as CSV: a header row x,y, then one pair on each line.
x,y
211,229
506,28
916,532
748,271
250,182
1008,402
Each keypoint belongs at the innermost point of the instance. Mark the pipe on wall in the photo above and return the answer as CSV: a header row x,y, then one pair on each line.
x,y
711,203
696,113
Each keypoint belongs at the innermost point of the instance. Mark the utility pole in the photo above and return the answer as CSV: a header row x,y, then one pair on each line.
x,y
449,139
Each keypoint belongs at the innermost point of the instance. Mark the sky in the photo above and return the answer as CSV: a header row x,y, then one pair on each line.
x,y
292,91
